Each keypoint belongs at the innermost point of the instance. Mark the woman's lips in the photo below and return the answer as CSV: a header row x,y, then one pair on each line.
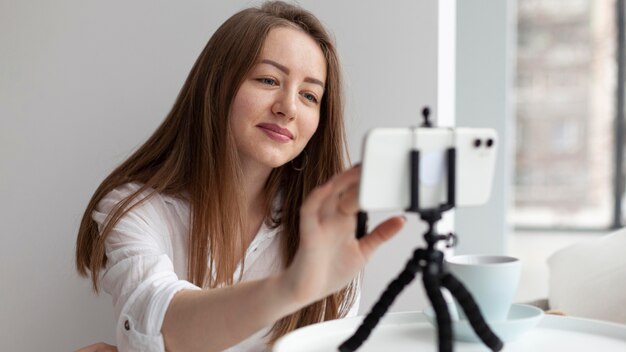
x,y
276,132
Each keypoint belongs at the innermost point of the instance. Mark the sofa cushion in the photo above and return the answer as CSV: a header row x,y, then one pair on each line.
x,y
588,279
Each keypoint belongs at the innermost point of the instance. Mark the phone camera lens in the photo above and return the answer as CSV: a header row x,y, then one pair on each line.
x,y
477,143
489,142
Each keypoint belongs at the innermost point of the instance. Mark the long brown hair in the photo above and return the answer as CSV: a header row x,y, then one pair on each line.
x,y
193,153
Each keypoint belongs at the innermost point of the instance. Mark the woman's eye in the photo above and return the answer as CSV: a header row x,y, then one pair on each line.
x,y
268,81
310,97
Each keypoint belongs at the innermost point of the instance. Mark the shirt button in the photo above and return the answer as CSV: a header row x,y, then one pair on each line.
x,y
126,325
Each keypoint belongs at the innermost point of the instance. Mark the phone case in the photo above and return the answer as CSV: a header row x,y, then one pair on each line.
x,y
385,170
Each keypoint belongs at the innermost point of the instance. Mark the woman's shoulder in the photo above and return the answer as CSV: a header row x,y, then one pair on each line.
x,y
146,194
120,193
147,201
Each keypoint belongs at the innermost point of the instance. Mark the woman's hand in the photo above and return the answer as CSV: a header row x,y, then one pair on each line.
x,y
330,255
98,347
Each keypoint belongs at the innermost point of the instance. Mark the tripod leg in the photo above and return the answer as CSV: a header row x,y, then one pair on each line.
x,y
444,323
380,308
472,312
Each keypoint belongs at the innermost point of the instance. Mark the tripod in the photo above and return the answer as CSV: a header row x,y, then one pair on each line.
x,y
428,261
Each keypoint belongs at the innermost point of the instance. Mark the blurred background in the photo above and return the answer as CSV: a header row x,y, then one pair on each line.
x,y
568,181
83,83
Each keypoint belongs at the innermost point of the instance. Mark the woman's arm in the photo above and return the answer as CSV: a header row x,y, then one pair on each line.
x,y
329,257
213,320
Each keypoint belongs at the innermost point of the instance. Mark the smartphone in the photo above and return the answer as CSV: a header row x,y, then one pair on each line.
x,y
386,167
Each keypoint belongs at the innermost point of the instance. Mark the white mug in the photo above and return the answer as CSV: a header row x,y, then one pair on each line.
x,y
491,279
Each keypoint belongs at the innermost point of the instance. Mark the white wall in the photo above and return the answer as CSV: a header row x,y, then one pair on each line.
x,y
82,83
485,37
390,60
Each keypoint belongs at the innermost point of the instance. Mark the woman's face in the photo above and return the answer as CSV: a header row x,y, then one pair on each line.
x,y
277,108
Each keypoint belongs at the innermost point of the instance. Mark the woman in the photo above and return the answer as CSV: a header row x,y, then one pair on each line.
x,y
234,223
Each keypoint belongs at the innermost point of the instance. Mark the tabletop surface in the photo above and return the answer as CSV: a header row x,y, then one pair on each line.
x,y
410,331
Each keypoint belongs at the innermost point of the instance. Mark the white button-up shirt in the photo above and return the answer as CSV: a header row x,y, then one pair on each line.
x,y
147,264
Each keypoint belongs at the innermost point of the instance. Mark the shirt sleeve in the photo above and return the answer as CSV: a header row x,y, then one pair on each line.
x,y
139,274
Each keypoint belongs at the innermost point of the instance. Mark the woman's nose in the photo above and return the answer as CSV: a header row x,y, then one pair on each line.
x,y
285,105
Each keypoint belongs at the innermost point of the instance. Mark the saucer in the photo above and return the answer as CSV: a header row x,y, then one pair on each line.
x,y
521,319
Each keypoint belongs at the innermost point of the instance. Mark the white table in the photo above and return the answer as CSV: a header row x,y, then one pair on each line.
x,y
411,331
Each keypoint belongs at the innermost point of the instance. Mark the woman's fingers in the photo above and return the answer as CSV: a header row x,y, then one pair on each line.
x,y
332,187
315,199
380,234
343,197
347,202
346,179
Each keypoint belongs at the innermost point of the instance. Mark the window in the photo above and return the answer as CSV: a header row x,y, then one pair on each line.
x,y
566,99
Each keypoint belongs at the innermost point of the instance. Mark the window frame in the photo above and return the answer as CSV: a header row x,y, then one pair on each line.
x,y
619,176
